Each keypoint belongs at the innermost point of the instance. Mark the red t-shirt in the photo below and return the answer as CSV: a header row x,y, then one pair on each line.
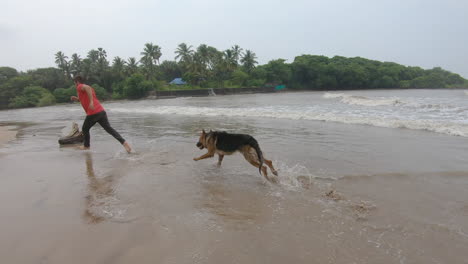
x,y
84,100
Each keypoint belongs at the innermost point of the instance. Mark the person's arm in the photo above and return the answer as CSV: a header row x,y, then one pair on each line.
x,y
89,92
75,98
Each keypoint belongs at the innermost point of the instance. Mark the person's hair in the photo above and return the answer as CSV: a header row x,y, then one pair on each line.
x,y
79,79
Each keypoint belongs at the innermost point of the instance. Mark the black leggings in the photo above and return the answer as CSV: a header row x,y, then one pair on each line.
x,y
100,118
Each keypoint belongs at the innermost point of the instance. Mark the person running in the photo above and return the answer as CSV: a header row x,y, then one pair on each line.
x,y
95,113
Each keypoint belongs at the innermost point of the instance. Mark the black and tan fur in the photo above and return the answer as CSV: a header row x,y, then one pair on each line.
x,y
223,143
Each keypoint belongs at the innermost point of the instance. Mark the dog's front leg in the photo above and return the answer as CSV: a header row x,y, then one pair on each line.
x,y
220,159
207,155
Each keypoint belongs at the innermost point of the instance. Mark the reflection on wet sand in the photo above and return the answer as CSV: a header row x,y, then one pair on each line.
x,y
232,205
99,189
223,203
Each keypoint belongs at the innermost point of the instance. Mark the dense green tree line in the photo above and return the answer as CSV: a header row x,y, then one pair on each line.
x,y
320,72
206,67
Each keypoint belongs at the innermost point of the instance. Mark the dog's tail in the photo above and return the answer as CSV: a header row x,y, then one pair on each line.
x,y
254,144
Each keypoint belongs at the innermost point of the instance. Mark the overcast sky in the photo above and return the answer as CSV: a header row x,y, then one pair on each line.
x,y
424,33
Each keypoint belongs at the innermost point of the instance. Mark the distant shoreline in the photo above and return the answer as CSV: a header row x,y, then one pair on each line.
x,y
208,92
232,91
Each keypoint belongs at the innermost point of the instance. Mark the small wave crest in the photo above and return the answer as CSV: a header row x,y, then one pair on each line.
x,y
392,101
334,95
363,100
448,128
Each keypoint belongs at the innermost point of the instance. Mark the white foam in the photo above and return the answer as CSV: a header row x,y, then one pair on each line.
x,y
379,120
333,95
362,100
293,177
365,101
429,125
424,105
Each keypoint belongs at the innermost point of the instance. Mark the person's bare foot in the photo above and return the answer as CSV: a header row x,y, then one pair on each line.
x,y
83,148
127,147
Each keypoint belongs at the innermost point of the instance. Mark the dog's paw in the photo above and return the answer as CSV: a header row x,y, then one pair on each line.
x,y
195,159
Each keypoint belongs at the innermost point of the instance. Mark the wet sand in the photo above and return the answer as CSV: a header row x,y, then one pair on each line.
x,y
62,205
347,194
6,134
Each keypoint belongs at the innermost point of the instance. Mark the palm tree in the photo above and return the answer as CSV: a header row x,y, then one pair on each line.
x,y
150,56
86,68
204,54
184,53
90,66
102,58
132,66
197,69
118,68
229,60
103,70
61,61
215,58
93,56
96,67
118,63
248,61
199,62
151,53
236,52
76,64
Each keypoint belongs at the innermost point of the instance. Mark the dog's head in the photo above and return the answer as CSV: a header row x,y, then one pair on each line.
x,y
201,144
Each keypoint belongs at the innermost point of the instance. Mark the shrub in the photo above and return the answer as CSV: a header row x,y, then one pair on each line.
x,y
46,99
136,86
32,96
101,93
62,95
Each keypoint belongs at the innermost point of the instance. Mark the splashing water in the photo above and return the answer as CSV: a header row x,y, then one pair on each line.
x,y
293,177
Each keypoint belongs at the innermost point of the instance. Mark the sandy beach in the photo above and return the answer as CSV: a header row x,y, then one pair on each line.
x,y
347,192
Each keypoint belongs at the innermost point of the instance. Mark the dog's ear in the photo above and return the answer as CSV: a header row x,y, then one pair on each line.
x,y
203,131
211,130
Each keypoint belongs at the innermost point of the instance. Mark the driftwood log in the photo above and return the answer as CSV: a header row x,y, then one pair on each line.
x,y
74,137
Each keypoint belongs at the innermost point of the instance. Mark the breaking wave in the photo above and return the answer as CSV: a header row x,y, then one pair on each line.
x,y
445,127
392,101
362,100
334,95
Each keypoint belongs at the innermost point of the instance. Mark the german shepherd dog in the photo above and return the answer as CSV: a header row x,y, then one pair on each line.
x,y
223,143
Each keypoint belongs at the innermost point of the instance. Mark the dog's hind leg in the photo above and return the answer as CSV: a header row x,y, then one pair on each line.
x,y
270,164
252,159
264,169
220,159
